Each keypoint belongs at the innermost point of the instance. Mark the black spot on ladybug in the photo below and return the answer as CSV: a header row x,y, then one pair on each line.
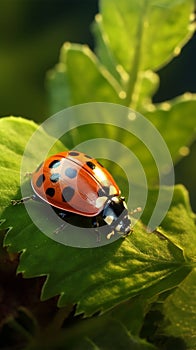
x,y
39,167
100,192
71,173
50,191
73,153
91,165
104,191
40,180
55,177
67,194
54,164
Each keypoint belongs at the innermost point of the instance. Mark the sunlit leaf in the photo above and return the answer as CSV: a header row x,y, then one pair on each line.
x,y
95,83
96,278
175,120
152,30
179,309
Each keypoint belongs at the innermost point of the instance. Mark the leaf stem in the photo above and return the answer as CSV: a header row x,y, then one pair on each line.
x,y
20,330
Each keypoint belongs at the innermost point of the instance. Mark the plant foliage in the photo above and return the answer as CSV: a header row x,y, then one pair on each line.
x,y
135,283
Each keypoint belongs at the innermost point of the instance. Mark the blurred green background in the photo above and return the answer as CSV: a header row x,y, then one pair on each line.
x,y
31,35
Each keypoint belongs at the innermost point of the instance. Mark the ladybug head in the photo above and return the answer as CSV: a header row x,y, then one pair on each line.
x,y
115,214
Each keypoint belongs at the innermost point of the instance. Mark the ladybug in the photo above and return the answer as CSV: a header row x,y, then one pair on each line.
x,y
77,185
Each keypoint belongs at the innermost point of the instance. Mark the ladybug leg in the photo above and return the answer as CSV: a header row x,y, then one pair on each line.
x,y
28,174
137,210
63,215
95,224
110,234
98,236
60,228
22,200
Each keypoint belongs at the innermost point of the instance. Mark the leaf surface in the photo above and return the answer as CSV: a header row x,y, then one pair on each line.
x,y
129,48
179,310
96,278
96,85
146,26
175,121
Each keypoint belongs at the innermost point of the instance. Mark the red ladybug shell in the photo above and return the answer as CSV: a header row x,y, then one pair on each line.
x,y
74,182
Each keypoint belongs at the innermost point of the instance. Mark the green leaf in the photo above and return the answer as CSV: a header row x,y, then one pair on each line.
x,y
96,278
175,120
15,132
58,89
146,85
12,147
179,309
106,275
97,85
179,224
102,332
114,77
130,44
131,313
104,53
147,81
143,43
